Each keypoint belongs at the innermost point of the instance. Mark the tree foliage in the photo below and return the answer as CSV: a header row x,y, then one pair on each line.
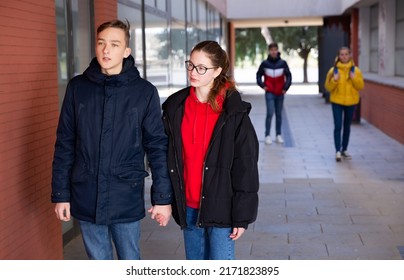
x,y
250,43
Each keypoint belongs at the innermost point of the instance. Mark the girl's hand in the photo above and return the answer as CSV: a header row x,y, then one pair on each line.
x,y
351,75
237,233
160,213
336,76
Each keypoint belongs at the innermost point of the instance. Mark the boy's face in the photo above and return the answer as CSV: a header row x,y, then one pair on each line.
x,y
273,52
110,50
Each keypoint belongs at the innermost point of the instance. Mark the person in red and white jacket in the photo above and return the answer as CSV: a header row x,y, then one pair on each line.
x,y
212,156
277,80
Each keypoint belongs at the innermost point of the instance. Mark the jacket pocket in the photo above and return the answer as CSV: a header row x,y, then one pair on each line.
x,y
133,119
126,192
129,173
80,172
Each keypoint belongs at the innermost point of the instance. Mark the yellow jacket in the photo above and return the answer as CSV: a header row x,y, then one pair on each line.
x,y
345,90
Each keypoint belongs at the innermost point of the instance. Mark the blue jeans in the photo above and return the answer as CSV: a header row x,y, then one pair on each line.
x,y
98,240
342,121
274,104
210,243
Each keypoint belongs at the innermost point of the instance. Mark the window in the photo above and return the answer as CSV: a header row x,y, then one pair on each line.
x,y
134,15
157,49
374,38
74,39
202,20
191,11
74,47
159,4
399,56
178,9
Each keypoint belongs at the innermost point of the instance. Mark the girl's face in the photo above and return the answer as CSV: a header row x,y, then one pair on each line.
x,y
199,60
344,56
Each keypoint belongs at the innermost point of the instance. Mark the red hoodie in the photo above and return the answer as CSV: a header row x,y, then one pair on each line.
x,y
197,127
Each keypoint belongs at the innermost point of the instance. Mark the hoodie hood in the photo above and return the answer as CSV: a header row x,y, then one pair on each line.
x,y
129,73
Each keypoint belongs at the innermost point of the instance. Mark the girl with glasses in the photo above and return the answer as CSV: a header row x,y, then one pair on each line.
x,y
212,156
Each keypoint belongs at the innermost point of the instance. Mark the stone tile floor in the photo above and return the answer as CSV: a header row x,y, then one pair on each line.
x,y
311,207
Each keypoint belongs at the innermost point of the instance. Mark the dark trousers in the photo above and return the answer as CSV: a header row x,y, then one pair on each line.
x,y
274,105
342,121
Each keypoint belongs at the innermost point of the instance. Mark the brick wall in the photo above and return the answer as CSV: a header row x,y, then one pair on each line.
x,y
28,119
104,10
383,107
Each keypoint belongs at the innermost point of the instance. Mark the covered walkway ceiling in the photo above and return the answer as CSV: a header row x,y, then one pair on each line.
x,y
255,13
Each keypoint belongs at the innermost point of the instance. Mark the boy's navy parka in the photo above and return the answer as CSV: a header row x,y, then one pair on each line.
x,y
229,196
106,125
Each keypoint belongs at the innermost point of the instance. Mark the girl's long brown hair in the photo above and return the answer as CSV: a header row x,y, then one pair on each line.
x,y
219,58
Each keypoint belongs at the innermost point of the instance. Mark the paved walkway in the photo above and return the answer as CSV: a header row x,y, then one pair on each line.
x,y
311,207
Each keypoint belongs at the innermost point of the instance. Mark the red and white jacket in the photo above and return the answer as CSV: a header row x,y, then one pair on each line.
x,y
277,76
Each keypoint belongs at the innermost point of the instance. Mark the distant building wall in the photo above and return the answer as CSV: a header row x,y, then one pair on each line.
x,y
380,59
28,118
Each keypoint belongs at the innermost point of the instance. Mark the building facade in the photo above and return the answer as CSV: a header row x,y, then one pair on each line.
x,y
381,58
47,43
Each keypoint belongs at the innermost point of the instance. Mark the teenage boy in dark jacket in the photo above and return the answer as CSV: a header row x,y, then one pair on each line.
x,y
277,80
110,119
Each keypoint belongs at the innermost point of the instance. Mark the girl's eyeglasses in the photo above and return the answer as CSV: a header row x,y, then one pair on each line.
x,y
201,70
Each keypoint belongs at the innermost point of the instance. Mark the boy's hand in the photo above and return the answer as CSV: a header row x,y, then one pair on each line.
x,y
62,210
161,213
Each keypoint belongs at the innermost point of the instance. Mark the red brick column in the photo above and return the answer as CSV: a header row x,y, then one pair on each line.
x,y
104,10
28,119
354,35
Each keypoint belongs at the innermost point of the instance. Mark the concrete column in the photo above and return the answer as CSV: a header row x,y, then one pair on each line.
x,y
387,31
232,46
364,39
354,34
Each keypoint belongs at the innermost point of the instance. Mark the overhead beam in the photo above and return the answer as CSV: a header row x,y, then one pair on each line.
x,y
278,22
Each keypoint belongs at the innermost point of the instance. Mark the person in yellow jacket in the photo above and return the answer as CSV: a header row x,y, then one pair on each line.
x,y
343,81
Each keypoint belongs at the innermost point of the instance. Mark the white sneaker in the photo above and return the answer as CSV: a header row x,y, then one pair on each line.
x,y
279,139
346,155
338,156
268,140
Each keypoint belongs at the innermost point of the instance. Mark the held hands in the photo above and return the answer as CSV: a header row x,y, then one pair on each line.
x,y
160,213
237,233
62,210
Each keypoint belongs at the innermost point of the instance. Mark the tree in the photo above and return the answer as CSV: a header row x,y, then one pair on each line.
x,y
300,39
251,42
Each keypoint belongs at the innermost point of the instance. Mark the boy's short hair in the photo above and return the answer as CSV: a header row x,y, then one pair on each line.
x,y
273,45
116,23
